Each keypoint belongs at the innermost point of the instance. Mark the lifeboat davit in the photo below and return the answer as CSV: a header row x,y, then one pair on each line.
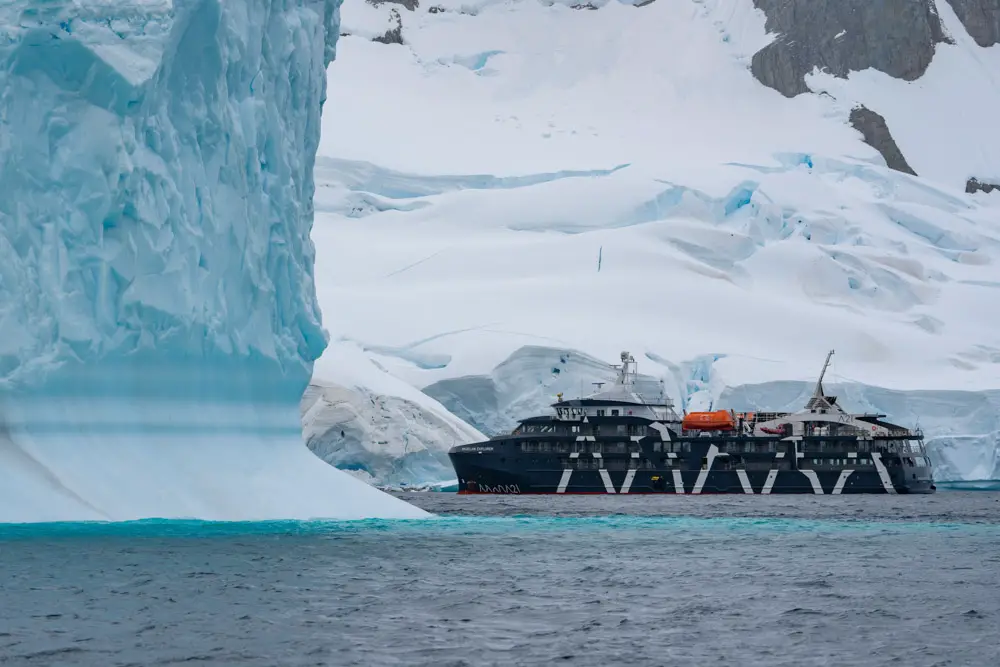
x,y
719,420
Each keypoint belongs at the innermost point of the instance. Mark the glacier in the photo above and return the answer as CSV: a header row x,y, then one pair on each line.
x,y
158,317
548,177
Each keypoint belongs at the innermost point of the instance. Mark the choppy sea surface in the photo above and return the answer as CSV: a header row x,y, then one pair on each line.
x,y
533,580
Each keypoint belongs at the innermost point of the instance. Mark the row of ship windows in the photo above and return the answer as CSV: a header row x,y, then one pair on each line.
x,y
836,463
732,446
587,447
609,464
768,446
582,447
585,429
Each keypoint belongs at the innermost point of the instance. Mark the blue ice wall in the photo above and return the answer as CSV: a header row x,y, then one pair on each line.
x,y
157,303
156,184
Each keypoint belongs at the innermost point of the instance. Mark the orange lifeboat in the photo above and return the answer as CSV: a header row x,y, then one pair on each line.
x,y
719,420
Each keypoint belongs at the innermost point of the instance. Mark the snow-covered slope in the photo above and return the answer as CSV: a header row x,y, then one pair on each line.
x,y
158,321
376,426
526,173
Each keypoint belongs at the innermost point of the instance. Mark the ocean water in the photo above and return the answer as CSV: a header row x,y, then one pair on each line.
x,y
539,580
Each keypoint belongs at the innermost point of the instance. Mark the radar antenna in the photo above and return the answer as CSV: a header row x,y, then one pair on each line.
x,y
627,372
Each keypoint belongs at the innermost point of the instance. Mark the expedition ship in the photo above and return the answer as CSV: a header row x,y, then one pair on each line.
x,y
616,441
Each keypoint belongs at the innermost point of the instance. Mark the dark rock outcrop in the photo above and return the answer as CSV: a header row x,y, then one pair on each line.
x,y
974,185
392,35
897,37
407,4
876,133
981,19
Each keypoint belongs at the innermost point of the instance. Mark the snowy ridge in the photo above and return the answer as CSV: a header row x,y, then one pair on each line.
x,y
538,176
158,321
375,425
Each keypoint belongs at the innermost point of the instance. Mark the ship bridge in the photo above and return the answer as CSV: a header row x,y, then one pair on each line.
x,y
619,400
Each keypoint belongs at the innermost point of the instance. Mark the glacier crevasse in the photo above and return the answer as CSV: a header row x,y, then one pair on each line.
x,y
158,319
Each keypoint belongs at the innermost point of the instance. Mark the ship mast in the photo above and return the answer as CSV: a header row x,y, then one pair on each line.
x,y
818,399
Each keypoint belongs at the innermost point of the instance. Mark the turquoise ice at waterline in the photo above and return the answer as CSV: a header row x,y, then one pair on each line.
x,y
499,526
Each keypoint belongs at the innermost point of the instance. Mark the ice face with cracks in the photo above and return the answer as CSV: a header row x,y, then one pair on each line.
x,y
158,322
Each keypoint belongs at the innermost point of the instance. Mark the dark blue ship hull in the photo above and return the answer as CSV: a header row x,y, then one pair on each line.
x,y
479,474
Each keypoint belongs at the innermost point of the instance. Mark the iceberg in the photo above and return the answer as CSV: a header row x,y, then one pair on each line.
x,y
158,317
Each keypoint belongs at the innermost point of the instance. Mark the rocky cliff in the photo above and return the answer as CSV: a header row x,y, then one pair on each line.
x,y
897,37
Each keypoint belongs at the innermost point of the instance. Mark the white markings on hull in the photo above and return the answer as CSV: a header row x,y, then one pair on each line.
x,y
606,478
769,482
662,430
883,474
627,484
564,480
744,481
839,487
678,482
814,480
713,451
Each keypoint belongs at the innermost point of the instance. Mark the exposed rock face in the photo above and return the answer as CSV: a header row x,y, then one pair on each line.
x,y
981,19
839,36
877,135
975,185
393,35
407,4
